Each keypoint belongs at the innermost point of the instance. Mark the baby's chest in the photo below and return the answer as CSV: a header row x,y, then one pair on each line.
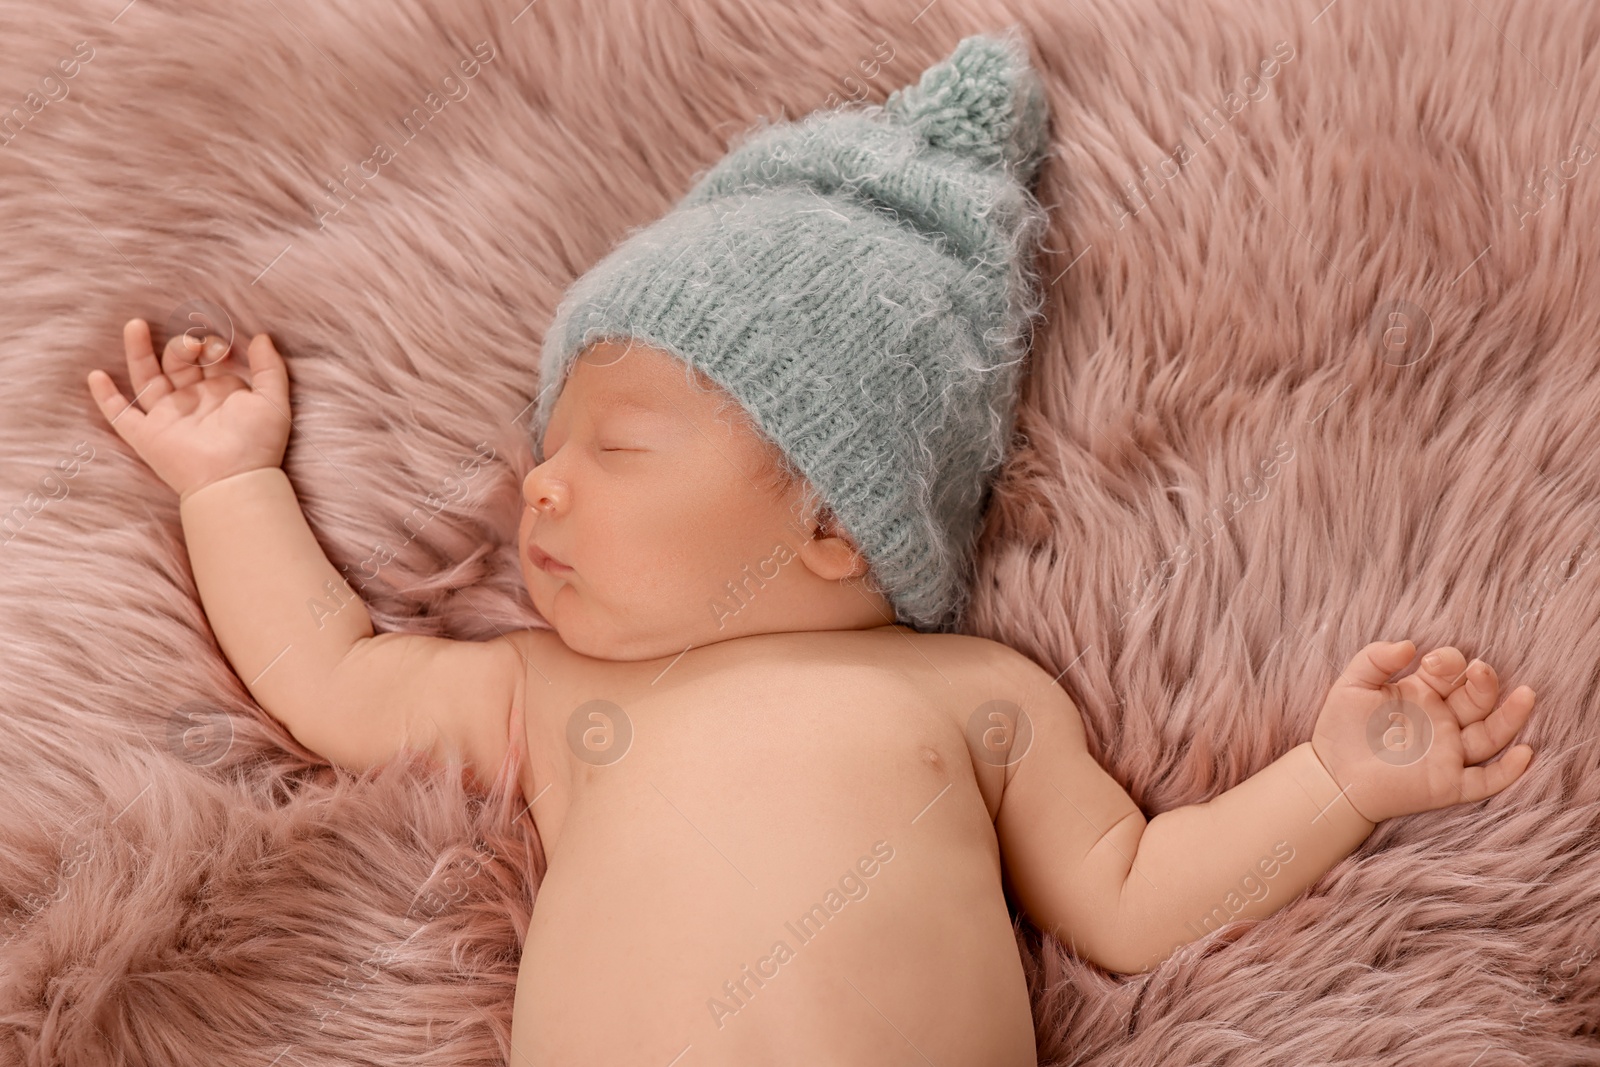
x,y
789,824
790,754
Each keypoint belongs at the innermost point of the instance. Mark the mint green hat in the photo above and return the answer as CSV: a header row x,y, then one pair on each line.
x,y
861,280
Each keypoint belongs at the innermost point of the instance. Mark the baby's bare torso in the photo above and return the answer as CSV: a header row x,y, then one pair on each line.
x,y
793,862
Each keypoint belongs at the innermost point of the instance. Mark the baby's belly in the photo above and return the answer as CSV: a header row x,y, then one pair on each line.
x,y
804,881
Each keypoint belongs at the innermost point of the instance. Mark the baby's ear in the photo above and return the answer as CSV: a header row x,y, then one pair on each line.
x,y
830,552
832,558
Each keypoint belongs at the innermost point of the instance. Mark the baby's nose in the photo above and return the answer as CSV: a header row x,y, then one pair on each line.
x,y
542,492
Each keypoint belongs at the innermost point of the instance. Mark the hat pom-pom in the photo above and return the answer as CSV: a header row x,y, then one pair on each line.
x,y
984,99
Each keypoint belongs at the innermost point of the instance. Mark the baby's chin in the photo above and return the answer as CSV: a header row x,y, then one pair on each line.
x,y
638,641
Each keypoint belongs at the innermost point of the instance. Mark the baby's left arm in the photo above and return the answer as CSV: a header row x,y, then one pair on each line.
x,y
1125,893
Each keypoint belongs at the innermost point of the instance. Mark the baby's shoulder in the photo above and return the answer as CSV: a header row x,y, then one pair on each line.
x,y
970,671
990,658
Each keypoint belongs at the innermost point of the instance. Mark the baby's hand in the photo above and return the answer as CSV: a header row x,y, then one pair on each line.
x,y
200,422
1409,746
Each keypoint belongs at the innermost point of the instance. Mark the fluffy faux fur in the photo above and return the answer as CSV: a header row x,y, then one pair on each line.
x,y
1319,368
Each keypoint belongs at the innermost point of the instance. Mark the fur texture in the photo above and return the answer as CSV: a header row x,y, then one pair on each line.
x,y
1241,460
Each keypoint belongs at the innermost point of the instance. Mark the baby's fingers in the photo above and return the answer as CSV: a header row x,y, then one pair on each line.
x,y
269,375
123,414
144,370
181,360
1480,782
1376,663
1482,739
208,352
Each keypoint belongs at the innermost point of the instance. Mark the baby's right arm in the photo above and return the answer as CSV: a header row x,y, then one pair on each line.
x,y
302,640
292,628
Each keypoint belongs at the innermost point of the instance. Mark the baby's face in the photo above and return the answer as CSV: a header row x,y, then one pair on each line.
x,y
650,500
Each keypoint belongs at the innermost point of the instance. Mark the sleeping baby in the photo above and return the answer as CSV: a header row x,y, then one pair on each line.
x,y
787,809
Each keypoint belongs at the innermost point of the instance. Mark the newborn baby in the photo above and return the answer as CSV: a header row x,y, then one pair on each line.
x,y
784,807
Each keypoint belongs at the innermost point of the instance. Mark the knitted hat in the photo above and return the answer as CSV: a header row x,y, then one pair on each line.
x,y
861,281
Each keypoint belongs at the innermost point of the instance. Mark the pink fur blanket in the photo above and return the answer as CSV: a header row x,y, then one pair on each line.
x,y
1320,369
